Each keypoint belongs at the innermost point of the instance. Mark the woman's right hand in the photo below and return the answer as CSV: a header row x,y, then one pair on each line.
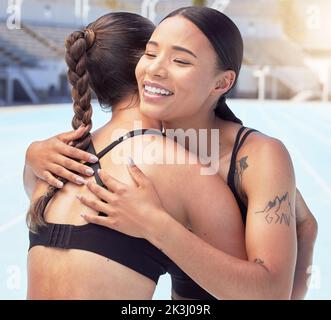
x,y
54,157
134,210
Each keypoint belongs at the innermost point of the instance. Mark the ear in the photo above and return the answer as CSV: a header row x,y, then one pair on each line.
x,y
224,82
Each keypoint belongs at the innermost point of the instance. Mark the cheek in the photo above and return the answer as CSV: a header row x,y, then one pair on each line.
x,y
140,68
194,94
193,80
194,86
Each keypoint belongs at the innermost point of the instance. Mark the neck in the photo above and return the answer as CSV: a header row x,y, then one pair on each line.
x,y
126,115
202,125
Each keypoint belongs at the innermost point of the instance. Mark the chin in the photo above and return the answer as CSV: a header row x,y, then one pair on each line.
x,y
152,112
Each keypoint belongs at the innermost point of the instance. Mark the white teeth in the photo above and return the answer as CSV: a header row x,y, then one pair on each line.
x,y
154,90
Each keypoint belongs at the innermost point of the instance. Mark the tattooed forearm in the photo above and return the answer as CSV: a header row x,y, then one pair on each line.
x,y
278,211
241,166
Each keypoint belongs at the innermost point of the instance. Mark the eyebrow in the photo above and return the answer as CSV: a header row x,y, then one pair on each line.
x,y
177,48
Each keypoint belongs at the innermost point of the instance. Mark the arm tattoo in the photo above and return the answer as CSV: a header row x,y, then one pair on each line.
x,y
241,166
278,211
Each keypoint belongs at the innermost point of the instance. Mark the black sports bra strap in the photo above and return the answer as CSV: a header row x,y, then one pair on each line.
x,y
130,134
237,145
95,166
234,150
244,138
91,149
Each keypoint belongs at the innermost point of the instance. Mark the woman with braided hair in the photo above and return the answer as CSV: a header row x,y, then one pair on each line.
x,y
69,259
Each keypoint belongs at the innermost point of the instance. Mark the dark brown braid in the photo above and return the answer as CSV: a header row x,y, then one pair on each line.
x,y
101,58
77,45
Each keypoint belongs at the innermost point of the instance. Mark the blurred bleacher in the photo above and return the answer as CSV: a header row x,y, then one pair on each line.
x,y
54,34
27,46
32,67
28,52
287,68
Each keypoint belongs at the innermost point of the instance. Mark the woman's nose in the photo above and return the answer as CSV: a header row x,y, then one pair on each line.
x,y
157,69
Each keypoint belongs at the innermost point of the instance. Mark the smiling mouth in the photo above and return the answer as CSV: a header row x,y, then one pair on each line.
x,y
157,91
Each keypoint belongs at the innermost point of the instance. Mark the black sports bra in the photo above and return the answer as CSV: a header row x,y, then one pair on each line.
x,y
135,253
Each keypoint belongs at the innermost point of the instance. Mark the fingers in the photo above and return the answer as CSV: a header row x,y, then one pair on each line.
x,y
102,221
137,175
65,145
68,175
63,163
75,166
101,192
78,154
111,183
51,180
66,137
96,205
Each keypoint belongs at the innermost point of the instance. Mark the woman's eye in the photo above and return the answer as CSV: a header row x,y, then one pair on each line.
x,y
182,62
150,54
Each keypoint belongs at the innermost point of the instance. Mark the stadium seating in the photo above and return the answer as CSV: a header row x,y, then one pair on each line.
x,y
25,46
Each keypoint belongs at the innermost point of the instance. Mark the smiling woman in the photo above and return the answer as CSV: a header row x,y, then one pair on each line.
x,y
187,67
178,67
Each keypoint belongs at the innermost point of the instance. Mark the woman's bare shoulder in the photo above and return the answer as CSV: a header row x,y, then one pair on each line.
x,y
258,143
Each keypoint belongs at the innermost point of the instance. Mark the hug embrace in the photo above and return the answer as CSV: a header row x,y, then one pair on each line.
x,y
172,183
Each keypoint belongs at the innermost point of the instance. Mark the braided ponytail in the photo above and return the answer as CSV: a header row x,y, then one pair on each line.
x,y
77,45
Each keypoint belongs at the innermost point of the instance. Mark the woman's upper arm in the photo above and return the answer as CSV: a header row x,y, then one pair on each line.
x,y
269,184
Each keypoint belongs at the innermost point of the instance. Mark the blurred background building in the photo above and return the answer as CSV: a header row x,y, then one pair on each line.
x,y
287,45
